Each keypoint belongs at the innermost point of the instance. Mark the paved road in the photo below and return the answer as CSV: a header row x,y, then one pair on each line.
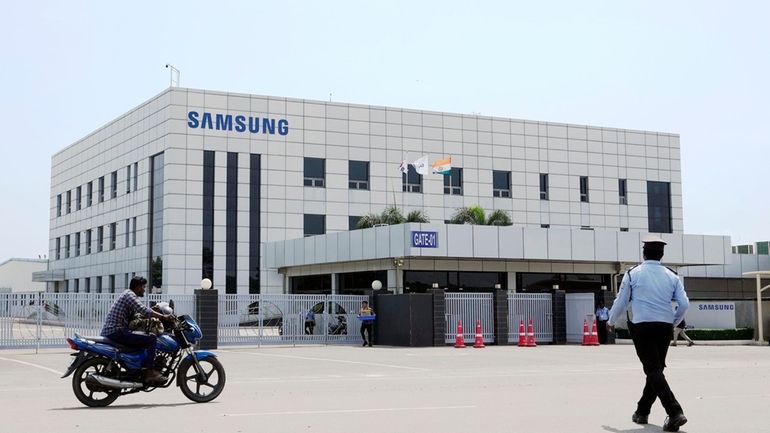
x,y
551,389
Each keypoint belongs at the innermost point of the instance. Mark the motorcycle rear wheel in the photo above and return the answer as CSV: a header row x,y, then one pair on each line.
x,y
92,398
191,385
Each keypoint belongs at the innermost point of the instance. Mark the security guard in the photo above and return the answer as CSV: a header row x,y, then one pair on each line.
x,y
649,289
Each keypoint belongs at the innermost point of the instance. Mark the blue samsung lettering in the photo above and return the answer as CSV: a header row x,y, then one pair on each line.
x,y
224,122
268,126
283,127
193,119
206,118
240,123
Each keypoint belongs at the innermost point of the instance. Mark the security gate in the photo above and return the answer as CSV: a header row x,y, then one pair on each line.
x,y
469,307
580,307
537,307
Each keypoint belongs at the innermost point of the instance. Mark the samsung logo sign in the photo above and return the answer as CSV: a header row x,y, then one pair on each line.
x,y
238,123
716,307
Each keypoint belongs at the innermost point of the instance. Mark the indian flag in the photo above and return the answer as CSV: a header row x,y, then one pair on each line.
x,y
443,166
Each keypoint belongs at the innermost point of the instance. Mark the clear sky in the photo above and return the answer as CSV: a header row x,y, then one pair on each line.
x,y
697,68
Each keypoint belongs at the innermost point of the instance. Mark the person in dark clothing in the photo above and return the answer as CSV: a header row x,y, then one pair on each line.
x,y
649,289
679,330
366,325
602,316
116,325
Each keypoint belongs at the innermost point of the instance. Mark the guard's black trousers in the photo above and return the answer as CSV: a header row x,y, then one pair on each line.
x,y
651,340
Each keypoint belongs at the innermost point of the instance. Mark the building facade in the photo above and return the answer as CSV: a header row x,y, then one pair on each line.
x,y
197,183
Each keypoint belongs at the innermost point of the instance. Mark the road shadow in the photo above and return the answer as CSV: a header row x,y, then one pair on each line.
x,y
640,429
129,406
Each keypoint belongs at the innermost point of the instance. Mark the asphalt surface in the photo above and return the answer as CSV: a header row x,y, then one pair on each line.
x,y
369,390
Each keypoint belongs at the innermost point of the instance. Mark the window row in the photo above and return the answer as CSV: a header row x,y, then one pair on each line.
x,y
77,199
98,284
93,240
358,178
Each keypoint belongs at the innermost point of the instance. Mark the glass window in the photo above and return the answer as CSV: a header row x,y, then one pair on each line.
x,y
78,192
128,178
99,284
411,180
315,224
101,189
659,207
77,244
69,201
89,193
622,191
255,167
58,205
624,229
453,184
155,228
87,288
58,248
207,248
584,189
501,183
353,222
114,184
315,172
136,175
358,173
312,284
76,289
99,239
113,235
231,227
111,289
543,186
88,241
128,227
545,226
133,234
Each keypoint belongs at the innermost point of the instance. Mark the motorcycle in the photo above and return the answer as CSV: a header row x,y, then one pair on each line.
x,y
104,370
340,327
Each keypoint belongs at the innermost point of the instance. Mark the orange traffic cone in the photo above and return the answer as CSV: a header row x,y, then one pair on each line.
x,y
522,335
586,337
594,337
479,343
459,340
531,335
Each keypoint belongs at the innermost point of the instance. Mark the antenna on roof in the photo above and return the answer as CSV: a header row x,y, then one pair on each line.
x,y
172,71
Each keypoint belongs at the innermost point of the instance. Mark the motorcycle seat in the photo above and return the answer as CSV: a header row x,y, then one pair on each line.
x,y
107,341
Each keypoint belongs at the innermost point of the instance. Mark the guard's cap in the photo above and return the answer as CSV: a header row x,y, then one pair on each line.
x,y
653,240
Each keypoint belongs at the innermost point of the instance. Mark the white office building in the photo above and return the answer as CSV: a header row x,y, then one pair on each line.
x,y
261,195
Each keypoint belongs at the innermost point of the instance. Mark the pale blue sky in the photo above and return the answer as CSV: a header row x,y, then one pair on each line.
x,y
700,69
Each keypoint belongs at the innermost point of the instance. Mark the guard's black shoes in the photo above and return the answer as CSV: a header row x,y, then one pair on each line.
x,y
639,419
673,423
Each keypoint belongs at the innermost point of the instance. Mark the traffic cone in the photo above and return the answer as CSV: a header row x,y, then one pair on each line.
x,y
479,343
586,337
594,337
531,335
522,335
459,340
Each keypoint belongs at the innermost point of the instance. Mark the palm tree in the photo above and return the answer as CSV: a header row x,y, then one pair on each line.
x,y
392,215
475,215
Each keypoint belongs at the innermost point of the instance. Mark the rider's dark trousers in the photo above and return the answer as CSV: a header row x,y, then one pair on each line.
x,y
138,340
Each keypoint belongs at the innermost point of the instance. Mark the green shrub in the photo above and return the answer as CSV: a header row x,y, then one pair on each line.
x,y
706,334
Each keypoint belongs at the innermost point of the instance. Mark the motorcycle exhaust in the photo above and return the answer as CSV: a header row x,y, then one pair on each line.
x,y
112,383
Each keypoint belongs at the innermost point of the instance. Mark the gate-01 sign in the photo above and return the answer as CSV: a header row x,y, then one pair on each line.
x,y
425,239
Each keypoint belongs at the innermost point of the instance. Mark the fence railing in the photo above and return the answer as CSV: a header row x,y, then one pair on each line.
x,y
530,306
468,308
48,319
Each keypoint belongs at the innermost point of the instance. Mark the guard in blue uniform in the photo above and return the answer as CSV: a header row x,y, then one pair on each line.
x,y
648,289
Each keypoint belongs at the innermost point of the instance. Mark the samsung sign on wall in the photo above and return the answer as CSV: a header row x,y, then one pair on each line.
x,y
711,315
424,239
237,123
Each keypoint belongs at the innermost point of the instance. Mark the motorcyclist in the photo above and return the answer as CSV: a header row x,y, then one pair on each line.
x,y
116,326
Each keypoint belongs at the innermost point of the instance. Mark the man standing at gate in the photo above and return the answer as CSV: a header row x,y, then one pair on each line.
x,y
602,316
649,289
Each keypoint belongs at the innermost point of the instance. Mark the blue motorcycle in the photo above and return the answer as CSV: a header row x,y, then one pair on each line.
x,y
105,370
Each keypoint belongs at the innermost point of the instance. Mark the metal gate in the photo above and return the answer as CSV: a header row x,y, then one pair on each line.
x,y
286,319
537,307
580,307
469,307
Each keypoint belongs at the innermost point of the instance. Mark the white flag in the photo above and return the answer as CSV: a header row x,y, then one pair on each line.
x,y
403,168
421,166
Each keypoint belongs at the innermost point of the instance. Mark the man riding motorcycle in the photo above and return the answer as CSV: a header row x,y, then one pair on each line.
x,y
116,325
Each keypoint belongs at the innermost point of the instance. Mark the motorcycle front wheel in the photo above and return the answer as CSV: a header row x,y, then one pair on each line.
x,y
90,395
192,385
